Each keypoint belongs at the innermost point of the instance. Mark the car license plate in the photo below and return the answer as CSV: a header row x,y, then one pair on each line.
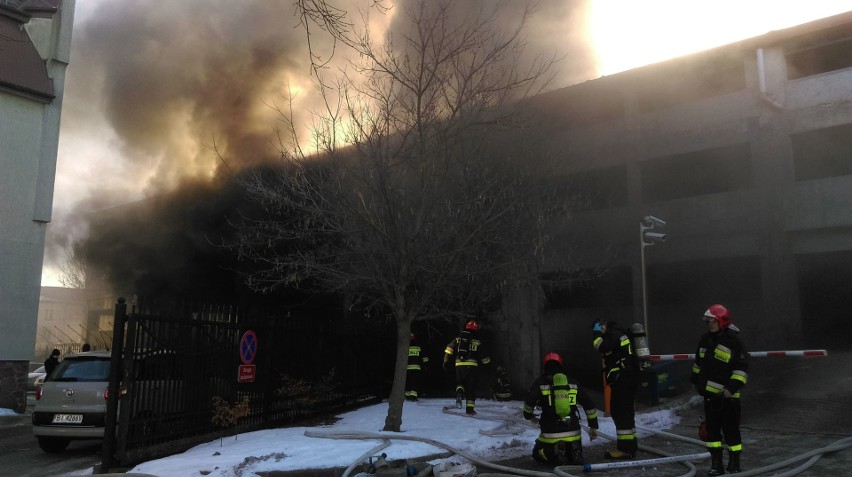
x,y
67,418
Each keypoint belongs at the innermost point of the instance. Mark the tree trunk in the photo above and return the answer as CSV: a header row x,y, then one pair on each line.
x,y
393,421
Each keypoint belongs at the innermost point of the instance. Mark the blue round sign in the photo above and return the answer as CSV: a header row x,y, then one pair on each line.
x,y
248,347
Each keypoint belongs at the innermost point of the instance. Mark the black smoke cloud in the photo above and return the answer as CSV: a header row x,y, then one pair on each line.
x,y
171,80
177,76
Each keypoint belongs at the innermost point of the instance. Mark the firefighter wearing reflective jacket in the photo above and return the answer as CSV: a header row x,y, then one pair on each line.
x,y
469,354
719,373
621,370
417,360
560,440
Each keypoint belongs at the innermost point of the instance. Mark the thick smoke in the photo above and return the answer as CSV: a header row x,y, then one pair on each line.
x,y
163,82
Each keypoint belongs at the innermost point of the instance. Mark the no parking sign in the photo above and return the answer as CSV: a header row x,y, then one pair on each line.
x,y
248,351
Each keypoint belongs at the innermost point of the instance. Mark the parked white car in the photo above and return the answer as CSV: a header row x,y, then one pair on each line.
x,y
36,378
70,404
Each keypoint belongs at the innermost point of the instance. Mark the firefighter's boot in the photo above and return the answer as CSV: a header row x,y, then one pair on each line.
x,y
733,463
618,454
716,464
576,453
563,452
459,398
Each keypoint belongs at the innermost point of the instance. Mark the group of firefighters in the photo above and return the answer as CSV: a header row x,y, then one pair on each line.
x,y
718,374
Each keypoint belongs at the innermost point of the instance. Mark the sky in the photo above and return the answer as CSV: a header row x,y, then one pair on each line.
x,y
153,87
497,432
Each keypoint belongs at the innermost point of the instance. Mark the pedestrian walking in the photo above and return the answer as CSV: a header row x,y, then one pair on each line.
x,y
719,373
51,362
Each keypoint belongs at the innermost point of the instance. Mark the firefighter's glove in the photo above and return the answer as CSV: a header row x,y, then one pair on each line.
x,y
593,433
613,375
596,328
726,393
702,430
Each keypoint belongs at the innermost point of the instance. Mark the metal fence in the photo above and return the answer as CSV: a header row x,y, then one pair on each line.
x,y
172,365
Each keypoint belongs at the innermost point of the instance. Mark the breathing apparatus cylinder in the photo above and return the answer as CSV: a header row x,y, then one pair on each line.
x,y
640,345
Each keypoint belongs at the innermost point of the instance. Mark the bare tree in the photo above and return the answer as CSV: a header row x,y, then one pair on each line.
x,y
72,272
415,202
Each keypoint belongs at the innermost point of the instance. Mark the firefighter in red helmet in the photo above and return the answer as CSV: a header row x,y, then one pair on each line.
x,y
719,373
469,354
557,395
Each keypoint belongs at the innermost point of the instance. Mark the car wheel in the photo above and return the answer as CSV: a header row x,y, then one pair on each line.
x,y
53,444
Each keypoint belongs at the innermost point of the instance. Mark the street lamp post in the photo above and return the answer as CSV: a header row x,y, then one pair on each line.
x,y
645,226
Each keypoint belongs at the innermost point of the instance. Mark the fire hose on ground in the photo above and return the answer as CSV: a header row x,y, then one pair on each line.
x,y
810,457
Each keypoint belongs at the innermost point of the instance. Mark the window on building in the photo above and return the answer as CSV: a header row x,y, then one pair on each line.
x,y
821,52
686,80
824,283
822,153
710,171
597,189
580,105
588,288
704,282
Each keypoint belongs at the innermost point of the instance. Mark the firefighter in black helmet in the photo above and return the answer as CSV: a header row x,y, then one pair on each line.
x,y
557,395
416,362
719,373
469,354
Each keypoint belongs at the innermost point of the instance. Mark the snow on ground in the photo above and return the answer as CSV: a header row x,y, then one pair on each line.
x,y
290,449
485,436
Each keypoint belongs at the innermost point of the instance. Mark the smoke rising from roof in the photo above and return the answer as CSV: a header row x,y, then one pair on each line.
x,y
163,82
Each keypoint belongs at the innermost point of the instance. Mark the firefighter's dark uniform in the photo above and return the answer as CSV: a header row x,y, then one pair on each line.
x,y
469,354
559,437
621,369
721,362
417,360
502,385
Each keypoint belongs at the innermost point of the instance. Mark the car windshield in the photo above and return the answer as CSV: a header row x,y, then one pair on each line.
x,y
82,370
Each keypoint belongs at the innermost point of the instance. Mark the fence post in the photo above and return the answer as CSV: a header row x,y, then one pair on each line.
x,y
114,385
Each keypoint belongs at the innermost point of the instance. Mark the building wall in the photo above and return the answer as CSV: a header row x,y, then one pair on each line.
x,y
62,322
29,136
741,150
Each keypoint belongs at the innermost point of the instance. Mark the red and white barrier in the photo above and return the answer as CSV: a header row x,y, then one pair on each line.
x,y
753,354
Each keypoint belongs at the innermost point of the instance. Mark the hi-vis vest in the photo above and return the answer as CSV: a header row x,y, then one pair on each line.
x,y
416,358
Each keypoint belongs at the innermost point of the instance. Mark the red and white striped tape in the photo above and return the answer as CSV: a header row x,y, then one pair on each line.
x,y
753,354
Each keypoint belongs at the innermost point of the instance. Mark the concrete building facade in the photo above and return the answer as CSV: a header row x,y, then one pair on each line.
x,y
36,42
63,322
746,152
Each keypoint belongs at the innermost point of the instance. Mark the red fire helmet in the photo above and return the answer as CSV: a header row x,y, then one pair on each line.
x,y
720,314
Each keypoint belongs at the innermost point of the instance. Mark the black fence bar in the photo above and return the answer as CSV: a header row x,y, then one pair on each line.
x,y
109,446
175,363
